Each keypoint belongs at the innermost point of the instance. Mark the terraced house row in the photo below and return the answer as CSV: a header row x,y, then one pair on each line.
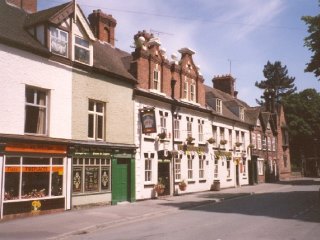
x,y
83,122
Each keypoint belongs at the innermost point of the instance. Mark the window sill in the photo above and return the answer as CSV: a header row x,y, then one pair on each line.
x,y
32,199
90,193
190,181
202,180
149,185
229,179
157,92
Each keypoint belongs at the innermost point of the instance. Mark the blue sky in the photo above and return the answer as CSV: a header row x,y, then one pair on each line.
x,y
246,33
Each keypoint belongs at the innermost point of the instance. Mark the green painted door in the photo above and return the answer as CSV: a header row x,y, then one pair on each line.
x,y
120,181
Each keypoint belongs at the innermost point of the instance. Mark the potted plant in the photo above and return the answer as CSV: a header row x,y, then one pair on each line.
x,y
211,140
182,185
162,135
159,188
238,144
190,140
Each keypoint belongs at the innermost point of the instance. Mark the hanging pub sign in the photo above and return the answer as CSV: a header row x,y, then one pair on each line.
x,y
148,120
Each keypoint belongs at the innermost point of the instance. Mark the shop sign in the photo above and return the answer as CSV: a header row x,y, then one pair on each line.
x,y
34,169
35,148
82,151
199,149
148,120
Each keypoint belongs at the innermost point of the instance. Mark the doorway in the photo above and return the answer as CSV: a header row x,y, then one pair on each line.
x,y
164,176
121,180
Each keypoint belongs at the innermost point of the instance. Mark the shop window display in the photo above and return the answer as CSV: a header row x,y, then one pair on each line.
x,y
33,177
91,175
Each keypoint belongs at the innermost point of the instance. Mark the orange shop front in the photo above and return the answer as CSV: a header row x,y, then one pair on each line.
x,y
33,179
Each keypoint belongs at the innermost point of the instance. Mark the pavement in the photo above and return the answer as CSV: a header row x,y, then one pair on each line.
x,y
84,220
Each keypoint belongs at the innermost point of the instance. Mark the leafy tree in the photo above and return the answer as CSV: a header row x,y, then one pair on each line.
x,y
312,42
277,80
302,111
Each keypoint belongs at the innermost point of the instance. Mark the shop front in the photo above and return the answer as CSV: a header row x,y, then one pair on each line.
x,y
33,178
92,181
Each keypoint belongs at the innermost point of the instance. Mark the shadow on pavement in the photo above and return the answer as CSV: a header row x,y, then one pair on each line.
x,y
301,182
303,206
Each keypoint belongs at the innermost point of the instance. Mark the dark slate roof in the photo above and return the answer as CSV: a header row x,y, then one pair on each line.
x,y
12,29
13,32
110,59
228,101
44,15
253,114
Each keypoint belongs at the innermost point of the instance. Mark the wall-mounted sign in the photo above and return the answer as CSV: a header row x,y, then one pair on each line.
x,y
148,120
35,148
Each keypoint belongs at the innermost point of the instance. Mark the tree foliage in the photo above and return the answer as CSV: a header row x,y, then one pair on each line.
x,y
303,113
277,79
312,42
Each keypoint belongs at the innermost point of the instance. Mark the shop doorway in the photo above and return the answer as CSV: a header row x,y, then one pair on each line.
x,y
164,176
121,180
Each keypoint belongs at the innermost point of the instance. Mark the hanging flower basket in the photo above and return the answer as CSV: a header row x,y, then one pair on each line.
x,y
251,146
162,135
223,142
211,140
238,144
182,186
190,140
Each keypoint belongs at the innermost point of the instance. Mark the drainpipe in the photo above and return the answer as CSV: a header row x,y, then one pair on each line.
x,y
173,108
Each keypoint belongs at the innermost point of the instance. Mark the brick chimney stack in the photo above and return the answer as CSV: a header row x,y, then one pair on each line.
x,y
103,26
225,83
29,6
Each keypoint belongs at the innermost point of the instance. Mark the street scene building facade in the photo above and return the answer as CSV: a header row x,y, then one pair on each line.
x,y
86,123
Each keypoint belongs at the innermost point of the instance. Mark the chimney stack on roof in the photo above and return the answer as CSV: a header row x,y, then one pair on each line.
x,y
29,6
103,26
225,83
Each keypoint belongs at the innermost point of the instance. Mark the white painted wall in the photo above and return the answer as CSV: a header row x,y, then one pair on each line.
x,y
144,189
20,68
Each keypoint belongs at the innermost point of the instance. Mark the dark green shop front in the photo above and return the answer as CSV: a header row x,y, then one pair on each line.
x,y
102,174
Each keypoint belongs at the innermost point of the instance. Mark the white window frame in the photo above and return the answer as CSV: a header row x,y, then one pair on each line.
x,y
273,144
176,128
216,169
96,116
189,128
230,138
177,169
200,131
219,106
43,108
76,45
241,109
163,124
157,78
190,167
228,166
185,89
193,91
260,166
147,168
59,40
264,143
269,143
201,167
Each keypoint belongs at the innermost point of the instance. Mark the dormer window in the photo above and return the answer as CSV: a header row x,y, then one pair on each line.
x,y
156,78
218,106
59,42
81,50
241,113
